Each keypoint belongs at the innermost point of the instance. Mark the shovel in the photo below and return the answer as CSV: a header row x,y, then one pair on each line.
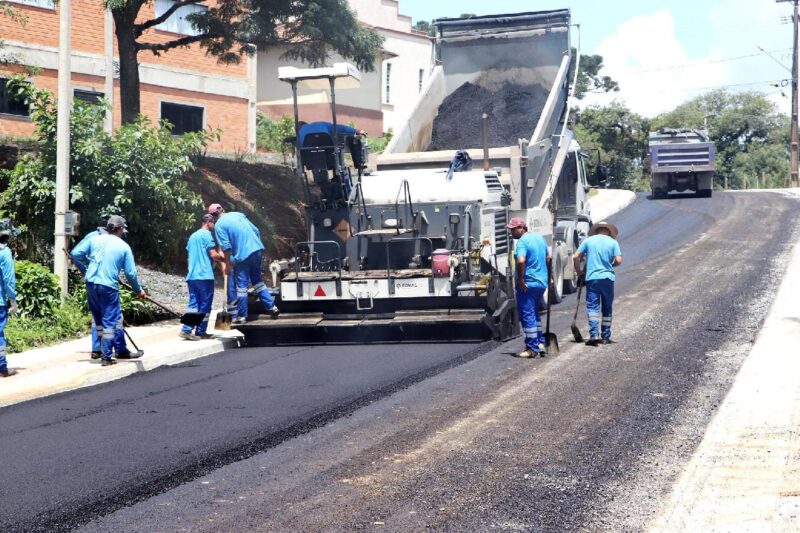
x,y
224,319
550,338
576,333
190,318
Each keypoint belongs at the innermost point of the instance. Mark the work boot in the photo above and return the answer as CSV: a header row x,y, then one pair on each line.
x,y
108,362
606,341
238,321
188,336
127,354
97,355
204,336
8,372
542,350
593,341
526,353
274,312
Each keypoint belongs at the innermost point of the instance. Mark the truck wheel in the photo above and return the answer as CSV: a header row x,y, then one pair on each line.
x,y
558,283
659,194
703,193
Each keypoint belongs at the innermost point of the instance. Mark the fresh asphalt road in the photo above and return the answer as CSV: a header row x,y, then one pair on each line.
x,y
443,437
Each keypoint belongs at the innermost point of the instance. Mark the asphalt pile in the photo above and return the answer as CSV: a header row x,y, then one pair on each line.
x,y
513,111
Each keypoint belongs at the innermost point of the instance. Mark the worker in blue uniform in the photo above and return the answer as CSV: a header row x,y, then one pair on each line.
x,y
8,293
202,252
106,256
120,346
602,253
240,242
531,258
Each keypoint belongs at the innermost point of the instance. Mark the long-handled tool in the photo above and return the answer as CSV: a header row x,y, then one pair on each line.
x,y
576,333
550,338
224,319
189,318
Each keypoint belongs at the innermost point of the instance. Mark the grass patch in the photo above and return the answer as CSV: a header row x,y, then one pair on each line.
x,y
67,322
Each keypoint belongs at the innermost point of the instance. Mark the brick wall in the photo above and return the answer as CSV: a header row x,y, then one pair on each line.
x,y
230,114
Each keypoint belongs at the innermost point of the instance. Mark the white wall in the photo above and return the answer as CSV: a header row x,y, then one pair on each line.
x,y
413,54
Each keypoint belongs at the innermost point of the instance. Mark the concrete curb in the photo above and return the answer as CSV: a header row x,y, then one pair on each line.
x,y
85,372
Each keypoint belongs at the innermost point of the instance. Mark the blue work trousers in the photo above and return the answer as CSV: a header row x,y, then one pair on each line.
x,y
247,273
120,346
3,322
201,297
528,305
599,304
106,311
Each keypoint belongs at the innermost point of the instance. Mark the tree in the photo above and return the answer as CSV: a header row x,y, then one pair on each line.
x,y
748,131
620,135
424,26
589,78
138,173
310,30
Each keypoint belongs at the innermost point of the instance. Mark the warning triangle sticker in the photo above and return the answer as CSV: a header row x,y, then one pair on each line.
x,y
319,291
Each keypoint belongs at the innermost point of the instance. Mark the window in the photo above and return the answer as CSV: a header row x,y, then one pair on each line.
x,y
47,4
421,79
388,98
90,97
11,104
177,22
184,118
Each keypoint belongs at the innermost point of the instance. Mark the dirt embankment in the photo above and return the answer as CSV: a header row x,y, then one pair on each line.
x,y
270,195
513,111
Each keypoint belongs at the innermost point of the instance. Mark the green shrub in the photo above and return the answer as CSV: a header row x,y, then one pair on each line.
x,y
66,322
379,144
137,172
270,134
37,290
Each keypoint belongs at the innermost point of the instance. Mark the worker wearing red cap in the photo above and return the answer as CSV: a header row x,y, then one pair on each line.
x,y
240,241
531,258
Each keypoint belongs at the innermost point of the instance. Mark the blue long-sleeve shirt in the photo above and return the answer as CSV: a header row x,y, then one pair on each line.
x,y
82,266
235,233
8,279
107,255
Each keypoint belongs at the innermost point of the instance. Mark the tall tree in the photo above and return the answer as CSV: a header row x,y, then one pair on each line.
x,y
749,132
620,137
308,30
589,77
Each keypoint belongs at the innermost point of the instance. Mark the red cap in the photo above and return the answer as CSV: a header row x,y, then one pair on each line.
x,y
213,209
517,222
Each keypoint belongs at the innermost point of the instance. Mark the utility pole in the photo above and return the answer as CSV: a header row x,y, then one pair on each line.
x,y
62,143
109,85
795,138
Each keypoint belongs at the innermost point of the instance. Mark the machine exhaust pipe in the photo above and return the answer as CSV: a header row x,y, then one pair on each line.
x,y
485,134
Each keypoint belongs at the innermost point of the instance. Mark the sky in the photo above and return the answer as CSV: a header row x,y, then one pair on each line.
x,y
664,52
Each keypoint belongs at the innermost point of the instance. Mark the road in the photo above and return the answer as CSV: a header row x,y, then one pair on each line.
x,y
442,437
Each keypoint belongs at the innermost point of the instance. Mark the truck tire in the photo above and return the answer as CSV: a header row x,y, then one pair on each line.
x,y
703,193
571,282
659,194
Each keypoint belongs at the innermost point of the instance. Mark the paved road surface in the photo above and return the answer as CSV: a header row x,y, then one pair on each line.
x,y
445,437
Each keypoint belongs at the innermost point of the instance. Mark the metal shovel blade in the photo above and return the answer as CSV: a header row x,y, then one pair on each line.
x,y
551,343
576,333
223,321
192,319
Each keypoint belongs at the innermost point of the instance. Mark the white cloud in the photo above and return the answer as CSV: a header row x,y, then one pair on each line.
x,y
642,53
639,56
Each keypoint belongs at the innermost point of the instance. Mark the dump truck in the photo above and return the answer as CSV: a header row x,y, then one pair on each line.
x,y
681,160
412,245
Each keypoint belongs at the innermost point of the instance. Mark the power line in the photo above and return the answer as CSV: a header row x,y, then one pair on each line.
x,y
697,63
712,87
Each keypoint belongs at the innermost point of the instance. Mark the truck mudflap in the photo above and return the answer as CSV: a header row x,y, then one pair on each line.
x,y
432,326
